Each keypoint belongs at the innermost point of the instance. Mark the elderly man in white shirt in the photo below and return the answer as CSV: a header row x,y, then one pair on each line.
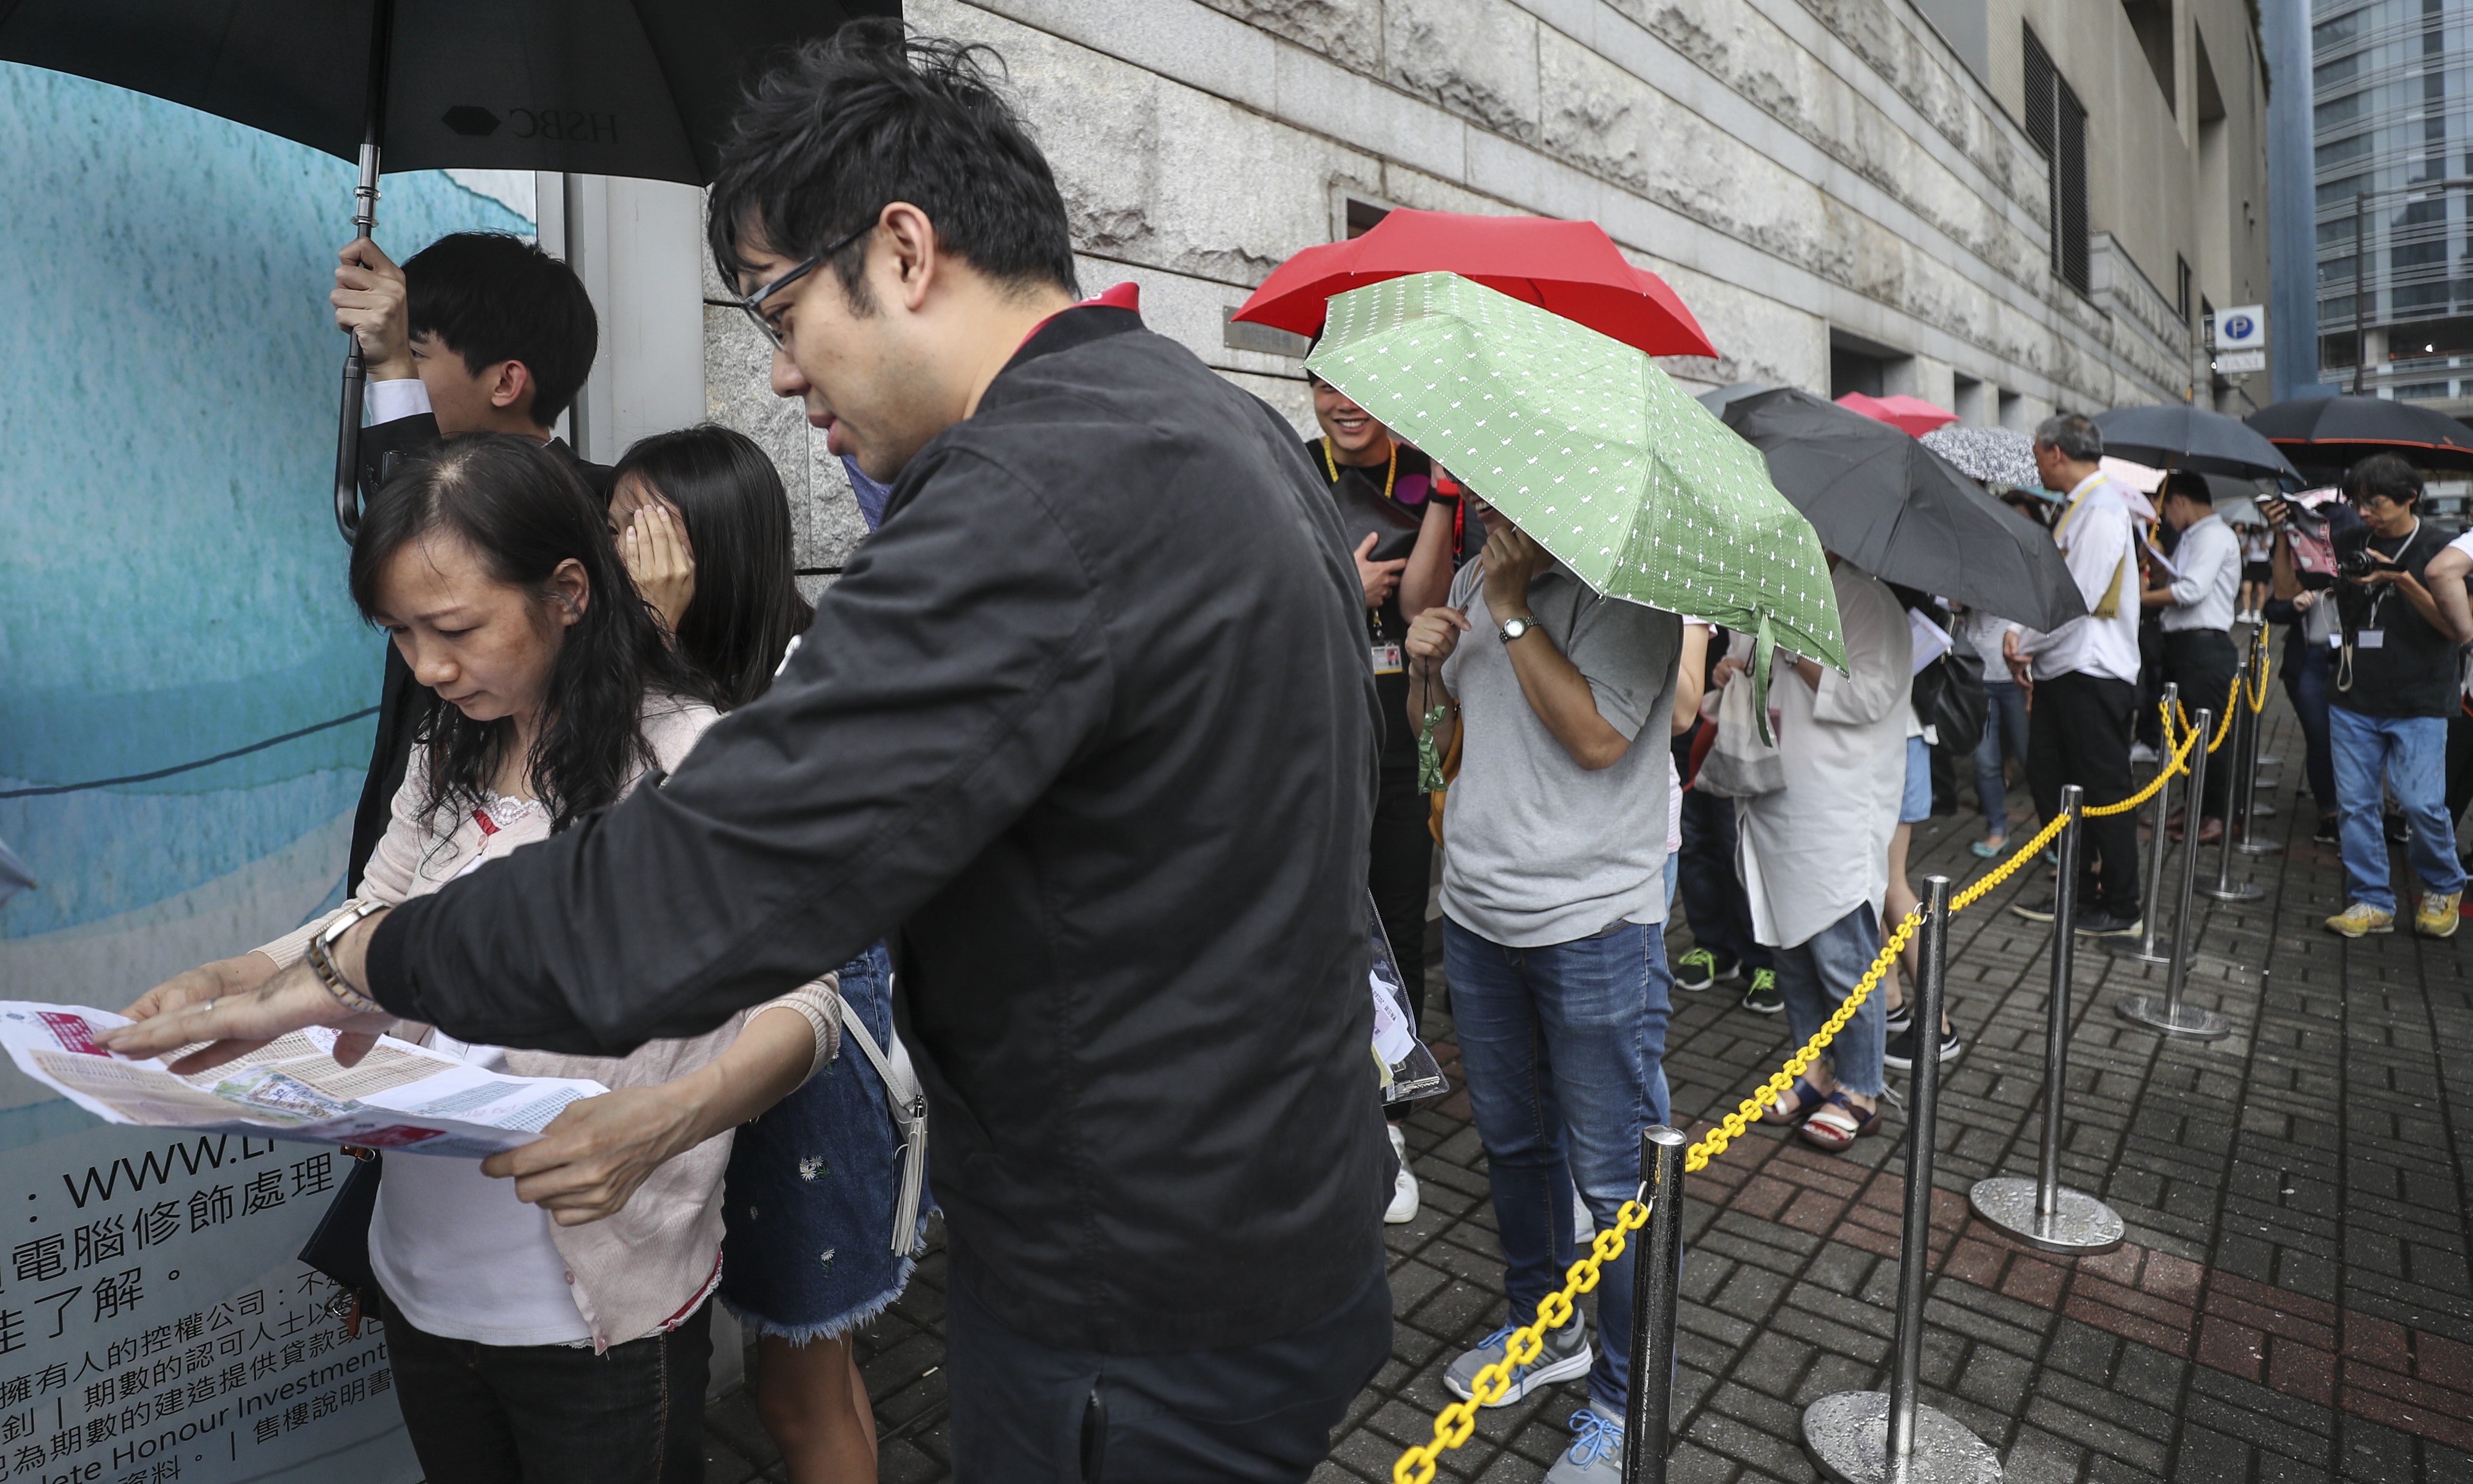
x,y
2197,596
2082,677
1815,854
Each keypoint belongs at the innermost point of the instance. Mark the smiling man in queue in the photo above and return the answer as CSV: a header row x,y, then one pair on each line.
x,y
1085,728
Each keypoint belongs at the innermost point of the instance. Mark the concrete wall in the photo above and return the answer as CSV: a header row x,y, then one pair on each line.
x,y
1799,169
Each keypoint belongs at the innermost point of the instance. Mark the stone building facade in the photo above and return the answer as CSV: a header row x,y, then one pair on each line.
x,y
1849,194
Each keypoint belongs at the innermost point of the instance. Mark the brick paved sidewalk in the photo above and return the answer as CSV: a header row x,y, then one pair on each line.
x,y
2294,1302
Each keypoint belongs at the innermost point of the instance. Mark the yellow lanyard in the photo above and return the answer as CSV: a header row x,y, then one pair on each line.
x,y
1389,474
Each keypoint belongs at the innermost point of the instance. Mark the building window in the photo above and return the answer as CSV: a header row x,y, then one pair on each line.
x,y
1364,216
2181,287
2422,392
2056,124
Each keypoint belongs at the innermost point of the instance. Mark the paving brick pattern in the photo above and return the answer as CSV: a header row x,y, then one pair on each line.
x,y
2292,1303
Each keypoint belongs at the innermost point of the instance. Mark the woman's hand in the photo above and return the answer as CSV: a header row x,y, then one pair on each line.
x,y
658,555
1727,669
589,1162
198,985
235,1024
1378,577
1435,633
2303,600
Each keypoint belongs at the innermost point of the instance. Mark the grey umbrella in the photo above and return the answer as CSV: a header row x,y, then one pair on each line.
x,y
1901,512
2175,435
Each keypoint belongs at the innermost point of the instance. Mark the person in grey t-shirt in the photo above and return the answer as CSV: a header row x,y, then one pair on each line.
x,y
1553,911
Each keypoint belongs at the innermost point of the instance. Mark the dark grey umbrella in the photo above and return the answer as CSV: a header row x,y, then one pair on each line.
x,y
2175,435
613,88
2344,430
1901,512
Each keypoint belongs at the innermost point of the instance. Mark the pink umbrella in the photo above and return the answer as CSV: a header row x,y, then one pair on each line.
x,y
1908,415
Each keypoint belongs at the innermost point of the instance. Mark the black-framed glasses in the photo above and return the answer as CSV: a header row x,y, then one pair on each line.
x,y
753,305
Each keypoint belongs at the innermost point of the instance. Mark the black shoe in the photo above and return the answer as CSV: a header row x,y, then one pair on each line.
x,y
2036,911
2098,922
2398,831
1900,1053
2329,831
1762,997
1898,1019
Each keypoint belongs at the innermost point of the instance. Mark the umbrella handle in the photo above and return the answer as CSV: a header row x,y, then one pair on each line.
x,y
347,445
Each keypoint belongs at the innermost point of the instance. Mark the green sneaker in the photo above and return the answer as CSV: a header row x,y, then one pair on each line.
x,y
1762,997
1698,969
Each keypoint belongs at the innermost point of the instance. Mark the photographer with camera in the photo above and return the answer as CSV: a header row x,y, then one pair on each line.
x,y
2395,686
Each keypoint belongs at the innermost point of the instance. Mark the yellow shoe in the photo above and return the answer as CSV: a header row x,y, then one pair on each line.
x,y
2439,917
2359,920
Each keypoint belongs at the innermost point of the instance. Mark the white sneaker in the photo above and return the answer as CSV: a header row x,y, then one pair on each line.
x,y
2141,752
1403,1190
1583,1225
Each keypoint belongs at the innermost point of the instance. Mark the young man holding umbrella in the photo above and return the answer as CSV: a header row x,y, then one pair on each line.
x,y
1087,727
2083,677
1553,904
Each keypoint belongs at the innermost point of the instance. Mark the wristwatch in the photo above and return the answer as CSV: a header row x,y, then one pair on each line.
x,y
1514,628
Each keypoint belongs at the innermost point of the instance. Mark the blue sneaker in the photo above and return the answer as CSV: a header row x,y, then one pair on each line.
x,y
1565,1356
1595,1453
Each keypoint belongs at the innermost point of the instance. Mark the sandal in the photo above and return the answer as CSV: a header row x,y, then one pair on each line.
x,y
1838,1123
1807,1101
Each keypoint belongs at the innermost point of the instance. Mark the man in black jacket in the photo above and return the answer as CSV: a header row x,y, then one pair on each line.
x,y
479,332
1088,725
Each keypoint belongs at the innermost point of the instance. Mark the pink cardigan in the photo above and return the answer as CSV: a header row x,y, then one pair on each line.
x,y
635,1271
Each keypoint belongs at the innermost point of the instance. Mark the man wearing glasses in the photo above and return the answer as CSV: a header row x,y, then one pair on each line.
x,y
2386,722
1087,728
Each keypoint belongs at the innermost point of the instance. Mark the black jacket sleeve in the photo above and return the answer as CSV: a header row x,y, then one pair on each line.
x,y
957,666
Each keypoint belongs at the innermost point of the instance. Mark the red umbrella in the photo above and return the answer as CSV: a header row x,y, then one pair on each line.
x,y
1908,415
1571,269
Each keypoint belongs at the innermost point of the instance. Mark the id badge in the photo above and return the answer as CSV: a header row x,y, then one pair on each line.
x,y
2370,638
1388,659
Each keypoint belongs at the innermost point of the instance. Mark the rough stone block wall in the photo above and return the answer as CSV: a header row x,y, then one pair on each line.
x,y
1788,165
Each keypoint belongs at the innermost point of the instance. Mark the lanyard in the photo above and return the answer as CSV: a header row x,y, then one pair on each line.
x,y
1389,474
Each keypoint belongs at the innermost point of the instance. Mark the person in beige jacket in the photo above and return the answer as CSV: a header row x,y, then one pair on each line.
x,y
552,1326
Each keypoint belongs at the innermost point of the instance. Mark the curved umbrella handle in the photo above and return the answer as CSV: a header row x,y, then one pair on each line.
x,y
347,445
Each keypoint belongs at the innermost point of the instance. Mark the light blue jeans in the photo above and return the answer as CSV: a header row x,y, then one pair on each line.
x,y
1563,1051
1814,978
2409,754
2005,731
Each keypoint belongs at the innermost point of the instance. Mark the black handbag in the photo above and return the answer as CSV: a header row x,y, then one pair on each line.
x,y
339,1245
1365,511
1956,705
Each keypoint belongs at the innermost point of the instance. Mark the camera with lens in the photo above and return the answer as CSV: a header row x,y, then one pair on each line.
x,y
2352,547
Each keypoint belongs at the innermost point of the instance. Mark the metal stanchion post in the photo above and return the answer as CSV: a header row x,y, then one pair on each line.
x,y
1870,1437
2225,888
2249,808
2145,952
2043,1212
2169,1015
1656,1294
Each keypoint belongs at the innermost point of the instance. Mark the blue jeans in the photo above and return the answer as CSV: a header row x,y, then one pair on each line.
x,y
2306,683
1562,1048
1714,903
2005,729
2409,752
1815,977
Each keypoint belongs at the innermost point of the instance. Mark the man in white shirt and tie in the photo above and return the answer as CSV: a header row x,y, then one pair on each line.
x,y
2198,595
2082,677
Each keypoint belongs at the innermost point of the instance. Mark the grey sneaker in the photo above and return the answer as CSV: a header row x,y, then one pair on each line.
x,y
1566,1356
1595,1453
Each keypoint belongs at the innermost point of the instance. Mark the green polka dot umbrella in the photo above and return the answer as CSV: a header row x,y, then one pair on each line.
x,y
1592,450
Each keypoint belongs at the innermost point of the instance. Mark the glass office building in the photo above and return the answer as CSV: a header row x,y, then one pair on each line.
x,y
2394,159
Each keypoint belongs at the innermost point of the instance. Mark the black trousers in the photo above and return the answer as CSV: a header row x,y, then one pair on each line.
x,y
1025,1412
2460,761
2202,662
554,1414
1398,872
2079,732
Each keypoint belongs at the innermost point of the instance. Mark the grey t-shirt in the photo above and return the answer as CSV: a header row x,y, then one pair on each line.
x,y
1536,849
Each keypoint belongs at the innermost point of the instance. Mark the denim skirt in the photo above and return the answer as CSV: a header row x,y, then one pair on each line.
x,y
808,1205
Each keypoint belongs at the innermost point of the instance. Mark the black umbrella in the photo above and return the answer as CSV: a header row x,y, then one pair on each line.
x,y
2175,435
2344,430
613,87
1903,513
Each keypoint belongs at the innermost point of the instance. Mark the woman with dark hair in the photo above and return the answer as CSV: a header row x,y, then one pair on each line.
x,y
555,1327
704,526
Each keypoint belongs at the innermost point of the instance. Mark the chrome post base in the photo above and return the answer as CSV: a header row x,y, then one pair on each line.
x,y
2136,952
2230,891
2257,847
2157,1013
1848,1436
2079,1223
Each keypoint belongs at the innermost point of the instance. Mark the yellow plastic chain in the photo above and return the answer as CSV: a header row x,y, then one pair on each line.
x,y
1455,1424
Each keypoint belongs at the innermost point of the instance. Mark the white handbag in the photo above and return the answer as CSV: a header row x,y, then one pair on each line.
x,y
1738,764
909,1108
